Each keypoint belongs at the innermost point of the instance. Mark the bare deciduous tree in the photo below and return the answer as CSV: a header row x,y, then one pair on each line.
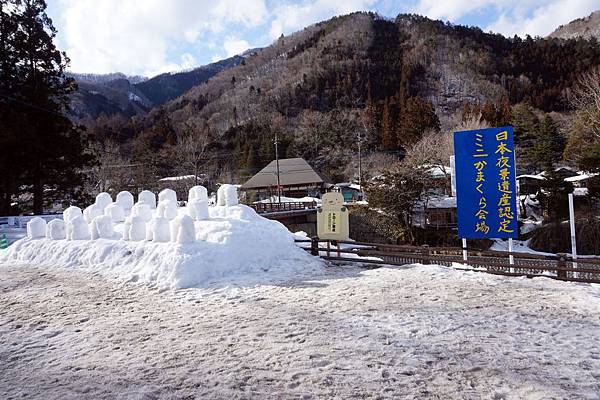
x,y
586,99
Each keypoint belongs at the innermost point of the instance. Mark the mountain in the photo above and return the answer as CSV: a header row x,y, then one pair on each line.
x,y
116,93
586,27
387,80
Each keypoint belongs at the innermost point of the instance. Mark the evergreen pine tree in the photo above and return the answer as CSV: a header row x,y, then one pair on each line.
x,y
54,145
549,144
388,134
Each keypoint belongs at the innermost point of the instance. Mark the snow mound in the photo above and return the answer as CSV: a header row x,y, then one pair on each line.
x,y
233,241
198,193
167,209
167,194
36,228
142,210
91,212
115,212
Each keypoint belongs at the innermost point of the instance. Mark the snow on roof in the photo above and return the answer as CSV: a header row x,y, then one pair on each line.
x,y
580,192
442,202
179,178
525,176
580,177
349,185
292,172
437,171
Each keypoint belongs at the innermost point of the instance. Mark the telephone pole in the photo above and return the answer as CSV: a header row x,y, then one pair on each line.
x,y
276,142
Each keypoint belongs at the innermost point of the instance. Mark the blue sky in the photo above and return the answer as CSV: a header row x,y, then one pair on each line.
x,y
147,37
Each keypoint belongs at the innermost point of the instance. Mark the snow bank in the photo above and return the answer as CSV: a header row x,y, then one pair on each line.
x,y
231,241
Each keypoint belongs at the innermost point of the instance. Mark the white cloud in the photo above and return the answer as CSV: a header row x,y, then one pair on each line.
x,y
235,46
290,17
543,19
137,36
515,17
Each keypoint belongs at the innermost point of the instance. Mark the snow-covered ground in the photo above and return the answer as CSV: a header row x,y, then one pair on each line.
x,y
417,332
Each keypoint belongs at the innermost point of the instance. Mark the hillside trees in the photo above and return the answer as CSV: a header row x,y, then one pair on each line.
x,y
549,144
48,147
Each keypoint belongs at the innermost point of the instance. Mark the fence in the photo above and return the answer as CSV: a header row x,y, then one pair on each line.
x,y
560,266
21,220
262,208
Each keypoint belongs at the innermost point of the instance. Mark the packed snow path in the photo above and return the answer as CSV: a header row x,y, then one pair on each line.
x,y
416,332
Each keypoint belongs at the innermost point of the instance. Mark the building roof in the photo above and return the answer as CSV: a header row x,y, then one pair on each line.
x,y
292,172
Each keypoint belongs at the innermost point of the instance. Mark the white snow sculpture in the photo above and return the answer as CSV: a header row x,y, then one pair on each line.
x,y
167,194
147,197
91,212
126,228
103,200
78,229
158,230
102,228
198,210
36,228
56,229
115,212
227,195
182,230
198,193
142,210
137,229
71,212
167,209
125,200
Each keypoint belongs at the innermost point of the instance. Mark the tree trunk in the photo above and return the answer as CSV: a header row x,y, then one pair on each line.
x,y
38,192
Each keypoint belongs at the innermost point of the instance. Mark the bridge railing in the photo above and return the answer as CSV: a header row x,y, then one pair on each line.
x,y
263,208
555,266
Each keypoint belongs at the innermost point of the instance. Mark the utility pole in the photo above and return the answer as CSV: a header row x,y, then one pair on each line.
x,y
359,162
276,142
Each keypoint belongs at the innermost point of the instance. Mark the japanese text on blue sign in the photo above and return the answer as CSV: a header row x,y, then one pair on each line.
x,y
485,183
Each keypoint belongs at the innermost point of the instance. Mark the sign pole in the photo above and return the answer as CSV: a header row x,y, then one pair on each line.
x,y
573,238
464,246
511,258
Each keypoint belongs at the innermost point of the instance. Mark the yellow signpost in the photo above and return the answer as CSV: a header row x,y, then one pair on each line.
x,y
332,218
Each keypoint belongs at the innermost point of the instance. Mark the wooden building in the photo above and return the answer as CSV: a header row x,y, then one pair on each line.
x,y
296,178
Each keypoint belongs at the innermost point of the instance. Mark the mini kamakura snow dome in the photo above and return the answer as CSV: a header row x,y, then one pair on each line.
x,y
147,197
78,229
91,212
36,228
56,229
198,193
125,200
115,212
167,194
103,200
198,209
102,228
158,230
167,209
183,230
72,212
227,195
137,229
142,210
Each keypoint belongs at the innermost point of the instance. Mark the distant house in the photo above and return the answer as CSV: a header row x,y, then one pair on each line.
x,y
350,191
297,179
437,212
529,184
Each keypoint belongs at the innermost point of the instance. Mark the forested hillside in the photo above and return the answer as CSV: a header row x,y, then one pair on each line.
x,y
358,77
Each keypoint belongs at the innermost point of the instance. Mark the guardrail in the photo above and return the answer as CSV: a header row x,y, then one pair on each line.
x,y
559,266
263,208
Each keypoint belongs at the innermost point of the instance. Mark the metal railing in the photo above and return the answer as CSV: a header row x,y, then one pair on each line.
x,y
263,208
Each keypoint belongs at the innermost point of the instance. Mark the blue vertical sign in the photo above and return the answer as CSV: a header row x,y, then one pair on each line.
x,y
486,190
